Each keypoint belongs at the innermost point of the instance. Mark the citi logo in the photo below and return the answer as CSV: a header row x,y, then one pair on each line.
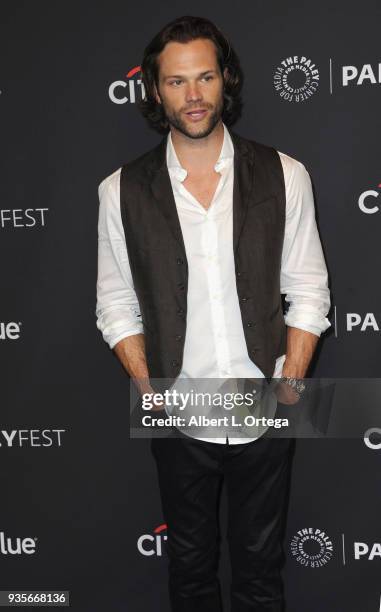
x,y
9,331
372,438
368,322
367,201
128,91
352,75
17,546
152,544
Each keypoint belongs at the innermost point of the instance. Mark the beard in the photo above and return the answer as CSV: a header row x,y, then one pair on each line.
x,y
175,119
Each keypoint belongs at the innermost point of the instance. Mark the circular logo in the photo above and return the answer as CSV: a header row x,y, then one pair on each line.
x,y
311,547
296,79
372,438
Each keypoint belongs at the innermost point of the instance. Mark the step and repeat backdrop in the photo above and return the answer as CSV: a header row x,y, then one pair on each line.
x,y
80,507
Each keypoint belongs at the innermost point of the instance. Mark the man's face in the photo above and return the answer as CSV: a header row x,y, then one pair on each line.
x,y
189,81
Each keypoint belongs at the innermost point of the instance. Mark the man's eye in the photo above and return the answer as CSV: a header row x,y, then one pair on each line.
x,y
175,82
208,78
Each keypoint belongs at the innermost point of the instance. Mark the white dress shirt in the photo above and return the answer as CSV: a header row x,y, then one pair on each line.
x,y
215,345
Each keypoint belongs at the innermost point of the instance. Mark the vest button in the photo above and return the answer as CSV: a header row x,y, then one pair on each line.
x,y
181,286
243,299
180,261
174,363
250,324
178,337
180,311
254,351
238,273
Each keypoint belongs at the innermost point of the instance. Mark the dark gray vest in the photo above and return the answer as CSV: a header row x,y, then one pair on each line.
x,y
159,265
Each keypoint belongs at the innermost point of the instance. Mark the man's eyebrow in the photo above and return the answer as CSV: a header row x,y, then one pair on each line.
x,y
181,76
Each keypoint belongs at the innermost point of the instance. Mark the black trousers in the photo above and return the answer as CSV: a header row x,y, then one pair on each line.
x,y
190,474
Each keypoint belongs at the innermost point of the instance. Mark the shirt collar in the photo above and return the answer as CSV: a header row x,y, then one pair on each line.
x,y
174,166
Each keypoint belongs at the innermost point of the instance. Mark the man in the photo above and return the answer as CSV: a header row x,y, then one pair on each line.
x,y
198,239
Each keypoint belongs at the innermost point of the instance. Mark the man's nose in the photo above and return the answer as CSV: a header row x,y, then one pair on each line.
x,y
193,92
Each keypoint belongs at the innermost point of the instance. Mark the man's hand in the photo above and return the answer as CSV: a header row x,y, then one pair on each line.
x,y
300,348
131,353
158,404
286,394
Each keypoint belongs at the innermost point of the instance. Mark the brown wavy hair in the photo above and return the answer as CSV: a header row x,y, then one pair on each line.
x,y
183,30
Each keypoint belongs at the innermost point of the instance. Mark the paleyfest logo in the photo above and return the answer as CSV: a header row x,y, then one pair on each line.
x,y
128,90
296,78
311,547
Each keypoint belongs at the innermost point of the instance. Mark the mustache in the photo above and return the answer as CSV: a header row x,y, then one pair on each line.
x,y
187,110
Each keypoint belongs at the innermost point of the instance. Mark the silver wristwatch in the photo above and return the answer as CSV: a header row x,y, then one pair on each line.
x,y
295,383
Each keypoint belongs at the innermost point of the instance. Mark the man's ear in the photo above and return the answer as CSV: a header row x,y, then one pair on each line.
x,y
157,97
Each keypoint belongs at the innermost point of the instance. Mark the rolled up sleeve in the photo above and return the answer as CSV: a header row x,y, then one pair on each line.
x,y
117,307
304,275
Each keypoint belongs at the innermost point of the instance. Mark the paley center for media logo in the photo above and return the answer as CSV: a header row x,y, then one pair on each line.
x,y
362,322
296,78
372,438
360,75
313,548
128,90
152,544
356,322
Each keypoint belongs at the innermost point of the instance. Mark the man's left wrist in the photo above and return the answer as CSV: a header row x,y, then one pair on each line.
x,y
296,384
293,370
